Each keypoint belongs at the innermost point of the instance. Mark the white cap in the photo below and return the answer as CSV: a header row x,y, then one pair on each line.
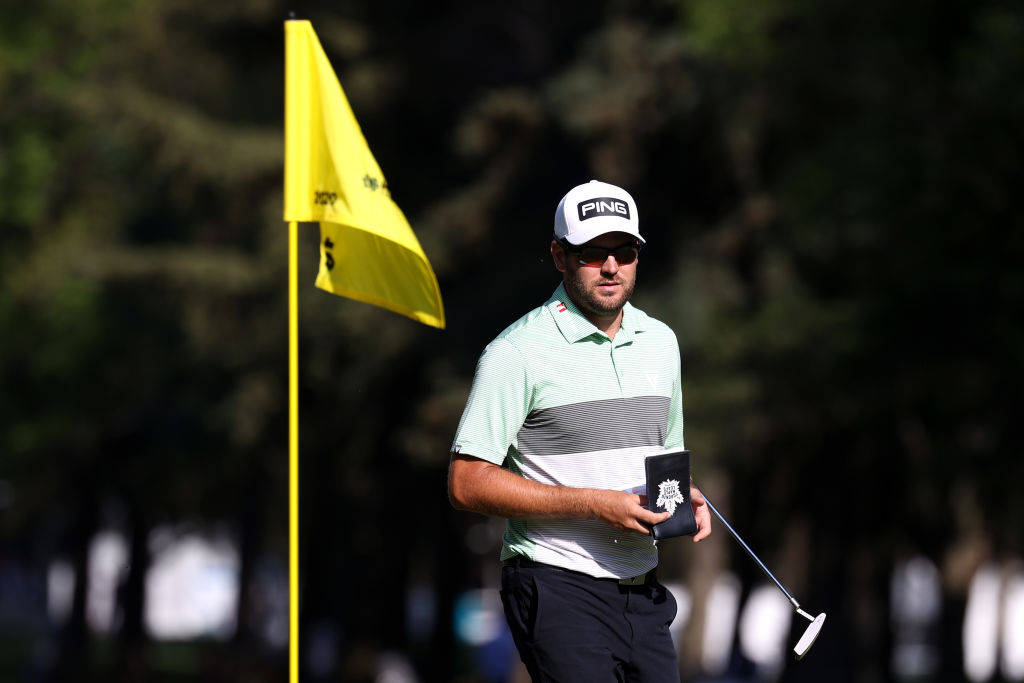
x,y
593,209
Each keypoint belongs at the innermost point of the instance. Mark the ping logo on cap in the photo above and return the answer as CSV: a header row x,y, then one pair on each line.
x,y
602,206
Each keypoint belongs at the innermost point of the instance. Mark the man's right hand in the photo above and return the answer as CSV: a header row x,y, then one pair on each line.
x,y
481,486
623,511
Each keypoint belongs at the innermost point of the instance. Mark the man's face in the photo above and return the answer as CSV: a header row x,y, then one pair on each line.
x,y
599,289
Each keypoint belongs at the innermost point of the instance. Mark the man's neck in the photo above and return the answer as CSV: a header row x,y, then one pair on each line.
x,y
609,325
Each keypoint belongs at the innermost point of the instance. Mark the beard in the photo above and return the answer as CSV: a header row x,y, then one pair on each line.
x,y
589,301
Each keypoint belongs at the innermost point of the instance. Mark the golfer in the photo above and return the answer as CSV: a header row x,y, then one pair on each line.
x,y
566,404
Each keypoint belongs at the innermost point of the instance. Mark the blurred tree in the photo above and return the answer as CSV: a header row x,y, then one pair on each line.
x,y
829,194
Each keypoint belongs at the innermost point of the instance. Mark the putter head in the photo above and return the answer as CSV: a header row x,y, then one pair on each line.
x,y
809,636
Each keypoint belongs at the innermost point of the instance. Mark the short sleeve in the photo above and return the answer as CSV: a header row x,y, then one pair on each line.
x,y
674,432
498,404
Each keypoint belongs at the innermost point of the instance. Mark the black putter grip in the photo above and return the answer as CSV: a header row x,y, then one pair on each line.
x,y
668,488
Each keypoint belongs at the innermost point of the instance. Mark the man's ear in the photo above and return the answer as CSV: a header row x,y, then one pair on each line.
x,y
558,256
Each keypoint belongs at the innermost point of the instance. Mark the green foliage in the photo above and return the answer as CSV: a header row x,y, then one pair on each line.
x,y
737,33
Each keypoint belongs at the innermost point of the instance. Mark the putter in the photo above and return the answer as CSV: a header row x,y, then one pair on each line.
x,y
811,634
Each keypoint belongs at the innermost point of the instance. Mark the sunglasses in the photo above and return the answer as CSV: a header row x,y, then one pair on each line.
x,y
595,257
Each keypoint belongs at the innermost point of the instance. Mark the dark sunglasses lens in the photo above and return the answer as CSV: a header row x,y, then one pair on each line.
x,y
596,256
593,256
626,255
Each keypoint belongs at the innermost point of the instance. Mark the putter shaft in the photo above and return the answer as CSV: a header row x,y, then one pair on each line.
x,y
754,557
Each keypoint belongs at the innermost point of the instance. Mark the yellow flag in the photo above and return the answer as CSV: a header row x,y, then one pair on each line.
x,y
368,252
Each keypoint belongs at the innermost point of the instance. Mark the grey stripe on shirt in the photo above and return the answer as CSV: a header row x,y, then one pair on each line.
x,y
595,426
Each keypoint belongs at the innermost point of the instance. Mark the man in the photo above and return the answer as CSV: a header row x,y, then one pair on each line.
x,y
566,404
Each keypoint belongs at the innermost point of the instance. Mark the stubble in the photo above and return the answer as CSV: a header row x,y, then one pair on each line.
x,y
590,302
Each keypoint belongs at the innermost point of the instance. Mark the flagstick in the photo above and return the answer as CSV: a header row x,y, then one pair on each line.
x,y
293,453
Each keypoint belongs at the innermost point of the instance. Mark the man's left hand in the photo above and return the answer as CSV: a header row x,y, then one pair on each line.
x,y
701,513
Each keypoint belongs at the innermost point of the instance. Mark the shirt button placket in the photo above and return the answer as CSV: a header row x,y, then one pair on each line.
x,y
616,370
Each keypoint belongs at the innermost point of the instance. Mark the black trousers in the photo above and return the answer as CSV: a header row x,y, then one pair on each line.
x,y
572,627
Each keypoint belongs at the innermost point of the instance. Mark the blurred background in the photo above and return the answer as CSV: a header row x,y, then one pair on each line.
x,y
827,190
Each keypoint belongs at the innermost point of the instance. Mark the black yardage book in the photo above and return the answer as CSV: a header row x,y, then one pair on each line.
x,y
668,489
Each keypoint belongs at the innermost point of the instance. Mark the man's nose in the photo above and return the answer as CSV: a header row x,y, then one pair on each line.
x,y
610,265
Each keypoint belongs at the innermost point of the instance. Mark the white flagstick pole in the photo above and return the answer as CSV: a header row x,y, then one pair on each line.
x,y
293,453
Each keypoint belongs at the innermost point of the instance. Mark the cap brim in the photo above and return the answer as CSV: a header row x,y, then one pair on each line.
x,y
585,236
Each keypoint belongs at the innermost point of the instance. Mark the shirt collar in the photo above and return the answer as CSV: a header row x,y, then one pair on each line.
x,y
574,326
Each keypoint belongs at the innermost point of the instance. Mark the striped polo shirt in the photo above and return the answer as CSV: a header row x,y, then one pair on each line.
x,y
558,402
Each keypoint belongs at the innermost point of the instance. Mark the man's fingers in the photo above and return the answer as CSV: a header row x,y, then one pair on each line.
x,y
649,517
625,511
638,527
703,523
